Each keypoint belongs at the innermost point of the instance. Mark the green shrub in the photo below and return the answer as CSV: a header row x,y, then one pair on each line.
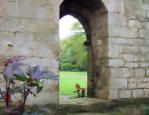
x,y
146,110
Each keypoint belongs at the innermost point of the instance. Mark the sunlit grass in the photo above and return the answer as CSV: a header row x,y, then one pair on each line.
x,y
68,81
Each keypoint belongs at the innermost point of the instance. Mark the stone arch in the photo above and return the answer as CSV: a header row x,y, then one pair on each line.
x,y
93,15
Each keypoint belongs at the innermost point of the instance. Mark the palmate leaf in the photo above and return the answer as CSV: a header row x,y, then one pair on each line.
x,y
15,90
39,88
20,78
38,85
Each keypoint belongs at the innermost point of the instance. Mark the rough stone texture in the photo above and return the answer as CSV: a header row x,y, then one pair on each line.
x,y
30,28
117,40
138,93
113,94
118,83
129,39
146,91
125,94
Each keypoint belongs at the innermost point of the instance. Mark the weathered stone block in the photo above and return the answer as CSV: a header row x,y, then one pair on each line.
x,y
132,80
130,57
129,49
145,80
133,4
28,9
116,62
116,19
2,8
133,8
132,86
128,42
144,64
139,72
143,33
146,25
6,44
147,72
146,2
131,64
134,24
114,72
142,85
125,93
11,25
115,6
145,6
146,92
116,31
113,50
115,40
117,83
147,14
137,93
113,94
126,72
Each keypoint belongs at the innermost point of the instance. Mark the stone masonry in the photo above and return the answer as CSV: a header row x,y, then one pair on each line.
x,y
129,50
30,28
118,53
117,40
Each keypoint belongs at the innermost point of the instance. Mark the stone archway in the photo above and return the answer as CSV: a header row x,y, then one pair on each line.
x,y
117,40
93,16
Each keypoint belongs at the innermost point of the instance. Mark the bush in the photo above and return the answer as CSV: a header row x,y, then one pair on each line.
x,y
146,110
66,67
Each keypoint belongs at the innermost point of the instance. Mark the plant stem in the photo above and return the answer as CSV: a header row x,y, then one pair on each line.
x,y
24,101
7,94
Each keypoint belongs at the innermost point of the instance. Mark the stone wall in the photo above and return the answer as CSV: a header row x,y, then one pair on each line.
x,y
30,28
117,39
129,49
118,54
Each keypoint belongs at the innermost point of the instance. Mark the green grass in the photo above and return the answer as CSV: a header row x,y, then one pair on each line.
x,y
68,81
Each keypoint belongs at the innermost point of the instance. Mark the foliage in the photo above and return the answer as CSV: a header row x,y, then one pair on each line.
x,y
24,79
68,81
146,110
73,55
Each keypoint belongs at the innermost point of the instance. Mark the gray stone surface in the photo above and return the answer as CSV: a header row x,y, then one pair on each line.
x,y
137,93
118,40
125,93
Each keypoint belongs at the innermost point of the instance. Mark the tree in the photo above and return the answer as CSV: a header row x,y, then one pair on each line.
x,y
73,55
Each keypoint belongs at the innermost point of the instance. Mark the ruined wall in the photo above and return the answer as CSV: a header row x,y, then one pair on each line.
x,y
120,49
30,28
128,48
117,30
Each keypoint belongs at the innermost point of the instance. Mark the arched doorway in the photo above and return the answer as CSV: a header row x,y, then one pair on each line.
x,y
73,59
93,16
